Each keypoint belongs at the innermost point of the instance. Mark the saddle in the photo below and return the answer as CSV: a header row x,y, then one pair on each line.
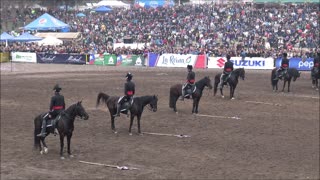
x,y
52,122
126,105
226,77
189,90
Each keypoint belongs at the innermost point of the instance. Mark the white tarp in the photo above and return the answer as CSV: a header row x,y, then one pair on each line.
x,y
113,3
49,40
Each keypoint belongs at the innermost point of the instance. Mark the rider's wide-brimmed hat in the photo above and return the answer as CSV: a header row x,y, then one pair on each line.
x,y
57,88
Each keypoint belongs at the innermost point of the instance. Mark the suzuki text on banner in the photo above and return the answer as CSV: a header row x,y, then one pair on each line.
x,y
247,63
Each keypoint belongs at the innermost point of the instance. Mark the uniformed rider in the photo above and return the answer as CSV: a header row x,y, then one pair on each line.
x,y
129,90
227,69
190,82
57,105
283,68
316,64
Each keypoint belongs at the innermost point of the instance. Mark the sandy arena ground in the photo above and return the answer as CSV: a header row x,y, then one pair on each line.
x,y
268,142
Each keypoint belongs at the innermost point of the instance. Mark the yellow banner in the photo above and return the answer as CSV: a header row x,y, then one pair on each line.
x,y
4,57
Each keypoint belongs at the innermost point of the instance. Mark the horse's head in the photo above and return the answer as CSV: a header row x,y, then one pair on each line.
x,y
208,82
242,73
80,111
296,76
154,103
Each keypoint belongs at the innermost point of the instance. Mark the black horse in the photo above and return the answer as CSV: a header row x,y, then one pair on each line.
x,y
232,81
135,109
315,76
64,123
176,92
292,74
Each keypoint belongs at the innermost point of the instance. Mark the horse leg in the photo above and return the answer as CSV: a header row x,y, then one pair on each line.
x,y
45,147
284,84
175,104
289,85
113,128
69,142
138,121
61,145
197,105
221,92
131,122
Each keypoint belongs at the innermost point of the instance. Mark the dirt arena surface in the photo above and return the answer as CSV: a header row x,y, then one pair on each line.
x,y
268,142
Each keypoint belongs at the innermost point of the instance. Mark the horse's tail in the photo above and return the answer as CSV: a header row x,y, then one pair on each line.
x,y
216,82
171,100
37,120
273,75
102,96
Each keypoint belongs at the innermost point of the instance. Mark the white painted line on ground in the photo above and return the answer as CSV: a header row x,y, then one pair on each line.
x,y
225,117
161,134
109,165
258,102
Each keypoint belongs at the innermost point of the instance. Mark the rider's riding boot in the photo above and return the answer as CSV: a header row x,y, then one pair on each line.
x,y
118,110
43,130
182,95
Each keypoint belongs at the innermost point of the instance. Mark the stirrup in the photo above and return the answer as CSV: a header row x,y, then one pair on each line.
x,y
41,135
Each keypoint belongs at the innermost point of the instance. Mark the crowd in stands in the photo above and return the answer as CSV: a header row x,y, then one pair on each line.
x,y
213,29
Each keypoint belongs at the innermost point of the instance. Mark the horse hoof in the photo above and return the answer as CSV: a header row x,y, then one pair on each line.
x,y
222,97
140,134
71,156
45,150
130,134
233,98
62,158
115,132
317,89
41,152
177,112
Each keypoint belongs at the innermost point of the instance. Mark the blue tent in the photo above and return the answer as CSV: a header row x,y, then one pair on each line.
x,y
6,37
103,9
27,37
80,15
154,3
46,22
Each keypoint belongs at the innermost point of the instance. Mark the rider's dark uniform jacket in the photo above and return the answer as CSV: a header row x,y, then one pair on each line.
x,y
228,66
129,88
191,77
285,63
57,104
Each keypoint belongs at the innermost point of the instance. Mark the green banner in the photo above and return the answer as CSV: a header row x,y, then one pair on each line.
x,y
131,60
99,59
110,60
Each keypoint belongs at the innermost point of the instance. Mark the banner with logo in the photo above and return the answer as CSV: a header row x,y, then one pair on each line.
x,y
130,60
176,60
247,63
24,57
4,57
297,63
98,59
110,60
62,58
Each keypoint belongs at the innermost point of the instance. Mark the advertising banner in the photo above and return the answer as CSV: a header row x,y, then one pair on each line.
x,y
152,58
247,63
201,62
130,60
297,63
61,58
98,59
4,57
110,60
176,60
24,57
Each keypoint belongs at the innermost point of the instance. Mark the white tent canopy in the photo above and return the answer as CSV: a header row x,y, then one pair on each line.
x,y
51,41
113,3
